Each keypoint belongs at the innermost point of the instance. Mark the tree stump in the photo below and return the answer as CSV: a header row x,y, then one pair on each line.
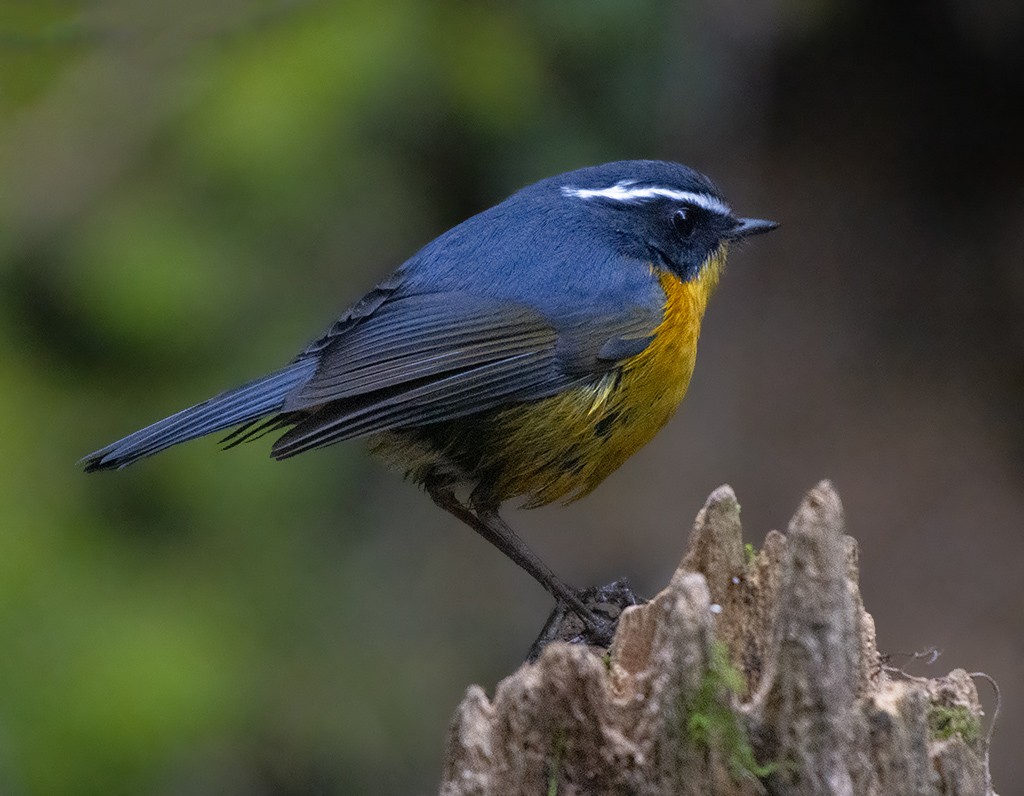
x,y
748,674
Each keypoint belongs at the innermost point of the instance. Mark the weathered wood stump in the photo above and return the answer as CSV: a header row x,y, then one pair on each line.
x,y
748,674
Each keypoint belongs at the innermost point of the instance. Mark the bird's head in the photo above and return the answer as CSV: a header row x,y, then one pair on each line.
x,y
660,212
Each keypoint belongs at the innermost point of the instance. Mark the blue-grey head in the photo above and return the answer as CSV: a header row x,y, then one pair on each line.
x,y
656,211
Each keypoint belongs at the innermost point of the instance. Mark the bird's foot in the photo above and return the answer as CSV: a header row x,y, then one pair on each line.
x,y
604,605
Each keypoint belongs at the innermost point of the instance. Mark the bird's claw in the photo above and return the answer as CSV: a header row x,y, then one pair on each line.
x,y
604,605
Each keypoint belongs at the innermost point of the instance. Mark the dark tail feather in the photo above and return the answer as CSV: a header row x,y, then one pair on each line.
x,y
243,404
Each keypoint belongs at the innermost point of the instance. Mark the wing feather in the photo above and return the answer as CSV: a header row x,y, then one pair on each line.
x,y
482,388
422,337
422,359
427,358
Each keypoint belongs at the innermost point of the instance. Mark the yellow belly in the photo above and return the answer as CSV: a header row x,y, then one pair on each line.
x,y
564,446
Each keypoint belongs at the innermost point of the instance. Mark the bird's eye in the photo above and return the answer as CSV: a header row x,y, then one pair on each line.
x,y
685,221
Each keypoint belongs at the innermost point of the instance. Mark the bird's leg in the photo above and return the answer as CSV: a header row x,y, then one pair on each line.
x,y
599,629
493,528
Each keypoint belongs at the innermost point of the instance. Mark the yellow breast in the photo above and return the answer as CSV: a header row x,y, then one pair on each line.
x,y
564,446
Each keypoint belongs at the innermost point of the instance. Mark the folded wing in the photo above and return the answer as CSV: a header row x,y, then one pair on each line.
x,y
428,358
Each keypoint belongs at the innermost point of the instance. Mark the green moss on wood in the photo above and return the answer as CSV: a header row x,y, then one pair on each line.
x,y
711,722
945,722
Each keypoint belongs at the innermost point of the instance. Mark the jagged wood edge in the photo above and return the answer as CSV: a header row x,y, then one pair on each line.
x,y
820,704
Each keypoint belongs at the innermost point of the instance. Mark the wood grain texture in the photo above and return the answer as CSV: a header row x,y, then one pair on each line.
x,y
745,675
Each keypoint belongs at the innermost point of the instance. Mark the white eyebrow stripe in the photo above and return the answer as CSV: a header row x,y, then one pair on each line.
x,y
622,192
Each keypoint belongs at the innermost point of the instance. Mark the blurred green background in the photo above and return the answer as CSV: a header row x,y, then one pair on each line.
x,y
189,192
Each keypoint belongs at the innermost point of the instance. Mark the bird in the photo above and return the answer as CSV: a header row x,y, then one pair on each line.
x,y
525,353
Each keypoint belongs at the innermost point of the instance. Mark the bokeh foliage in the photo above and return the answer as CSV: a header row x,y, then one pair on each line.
x,y
200,188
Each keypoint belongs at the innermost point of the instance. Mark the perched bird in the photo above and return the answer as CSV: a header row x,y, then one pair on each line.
x,y
529,351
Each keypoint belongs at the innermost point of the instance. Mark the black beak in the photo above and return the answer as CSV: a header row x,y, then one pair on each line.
x,y
751,226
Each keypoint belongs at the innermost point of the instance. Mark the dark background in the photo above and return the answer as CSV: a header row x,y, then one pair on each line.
x,y
190,191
